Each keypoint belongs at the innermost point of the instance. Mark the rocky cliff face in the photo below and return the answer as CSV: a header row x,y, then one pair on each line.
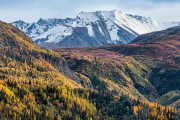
x,y
62,66
90,29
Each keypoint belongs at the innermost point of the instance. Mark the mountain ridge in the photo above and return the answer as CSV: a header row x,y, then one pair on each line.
x,y
168,34
90,29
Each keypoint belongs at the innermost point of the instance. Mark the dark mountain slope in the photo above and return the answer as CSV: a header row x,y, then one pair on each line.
x,y
110,70
165,35
151,64
161,52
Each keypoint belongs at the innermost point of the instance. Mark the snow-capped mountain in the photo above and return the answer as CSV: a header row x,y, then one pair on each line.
x,y
91,29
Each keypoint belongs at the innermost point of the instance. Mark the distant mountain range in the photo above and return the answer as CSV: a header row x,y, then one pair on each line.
x,y
90,29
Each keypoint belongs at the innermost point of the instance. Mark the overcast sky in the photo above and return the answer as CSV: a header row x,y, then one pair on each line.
x,y
32,10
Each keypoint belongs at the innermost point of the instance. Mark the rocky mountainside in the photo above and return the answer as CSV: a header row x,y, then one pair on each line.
x,y
90,29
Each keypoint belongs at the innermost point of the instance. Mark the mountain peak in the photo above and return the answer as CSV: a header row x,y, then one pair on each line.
x,y
97,15
19,22
42,20
100,12
116,10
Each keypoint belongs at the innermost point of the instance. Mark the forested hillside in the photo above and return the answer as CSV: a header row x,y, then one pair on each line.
x,y
36,83
147,69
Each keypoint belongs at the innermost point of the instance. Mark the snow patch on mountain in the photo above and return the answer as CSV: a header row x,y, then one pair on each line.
x,y
90,30
100,30
56,34
113,29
